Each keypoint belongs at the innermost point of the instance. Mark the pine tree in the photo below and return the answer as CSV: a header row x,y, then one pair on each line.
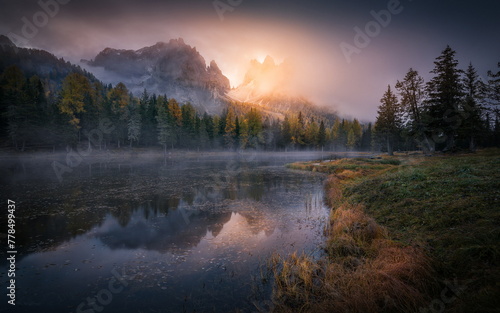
x,y
494,87
188,133
413,95
445,95
493,96
367,138
286,131
254,122
229,129
244,134
472,126
357,133
134,123
166,132
311,133
322,134
388,123
119,99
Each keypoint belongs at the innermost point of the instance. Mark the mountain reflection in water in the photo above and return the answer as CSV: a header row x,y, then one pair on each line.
x,y
190,238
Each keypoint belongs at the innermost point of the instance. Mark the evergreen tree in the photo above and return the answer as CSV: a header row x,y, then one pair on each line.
x,y
472,126
254,123
388,123
286,131
229,130
119,99
367,138
494,87
445,92
413,95
311,133
134,123
188,133
357,133
165,125
322,135
244,134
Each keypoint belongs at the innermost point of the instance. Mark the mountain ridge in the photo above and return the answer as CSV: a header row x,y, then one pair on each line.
x,y
174,68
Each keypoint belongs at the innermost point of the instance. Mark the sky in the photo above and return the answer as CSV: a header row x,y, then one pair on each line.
x,y
345,53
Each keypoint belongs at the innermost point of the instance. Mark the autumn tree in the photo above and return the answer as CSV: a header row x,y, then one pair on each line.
x,y
76,91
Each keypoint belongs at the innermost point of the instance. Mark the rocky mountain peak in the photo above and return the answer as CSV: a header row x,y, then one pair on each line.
x,y
174,68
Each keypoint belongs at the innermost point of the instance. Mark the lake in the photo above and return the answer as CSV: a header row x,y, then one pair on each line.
x,y
177,234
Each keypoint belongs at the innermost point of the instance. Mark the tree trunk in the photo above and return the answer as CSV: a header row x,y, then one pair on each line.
x,y
450,142
472,144
389,147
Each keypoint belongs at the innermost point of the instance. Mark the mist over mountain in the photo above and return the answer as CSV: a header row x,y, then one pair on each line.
x,y
270,87
177,70
174,68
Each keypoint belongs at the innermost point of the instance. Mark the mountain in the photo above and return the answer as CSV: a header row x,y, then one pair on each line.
x,y
6,43
174,68
47,66
269,87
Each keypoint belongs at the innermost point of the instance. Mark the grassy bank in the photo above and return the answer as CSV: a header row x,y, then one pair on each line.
x,y
407,234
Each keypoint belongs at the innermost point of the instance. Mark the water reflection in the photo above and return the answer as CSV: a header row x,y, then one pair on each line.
x,y
193,236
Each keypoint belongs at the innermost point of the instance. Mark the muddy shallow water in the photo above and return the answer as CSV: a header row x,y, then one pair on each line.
x,y
162,235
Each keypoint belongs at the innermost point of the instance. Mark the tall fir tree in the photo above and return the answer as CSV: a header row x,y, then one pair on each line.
x,y
472,126
445,92
388,123
415,119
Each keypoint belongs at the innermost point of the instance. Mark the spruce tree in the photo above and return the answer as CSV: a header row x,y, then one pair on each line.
x,y
388,123
412,92
472,126
445,92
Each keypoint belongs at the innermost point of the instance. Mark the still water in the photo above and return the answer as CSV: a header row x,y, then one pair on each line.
x,y
168,235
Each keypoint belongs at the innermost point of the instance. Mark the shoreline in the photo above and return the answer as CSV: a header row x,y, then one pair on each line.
x,y
396,237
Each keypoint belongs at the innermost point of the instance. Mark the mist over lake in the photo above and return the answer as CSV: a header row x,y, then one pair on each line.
x,y
186,233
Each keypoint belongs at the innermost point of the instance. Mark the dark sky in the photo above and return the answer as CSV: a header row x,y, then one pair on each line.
x,y
308,32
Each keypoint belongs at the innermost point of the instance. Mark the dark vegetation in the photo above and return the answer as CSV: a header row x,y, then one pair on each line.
x,y
455,110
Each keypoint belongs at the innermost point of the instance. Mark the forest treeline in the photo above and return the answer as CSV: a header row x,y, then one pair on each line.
x,y
36,117
455,110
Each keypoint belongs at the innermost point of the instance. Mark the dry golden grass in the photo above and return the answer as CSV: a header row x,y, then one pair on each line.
x,y
364,270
